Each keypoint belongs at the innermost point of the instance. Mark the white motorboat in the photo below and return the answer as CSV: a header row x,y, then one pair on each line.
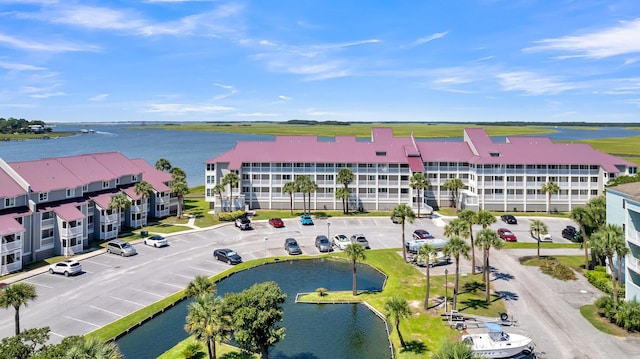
x,y
496,343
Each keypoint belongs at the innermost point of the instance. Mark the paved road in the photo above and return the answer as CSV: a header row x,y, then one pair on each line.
x,y
112,287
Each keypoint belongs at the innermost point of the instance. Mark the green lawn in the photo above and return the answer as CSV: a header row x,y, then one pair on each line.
x,y
420,130
590,313
534,245
33,136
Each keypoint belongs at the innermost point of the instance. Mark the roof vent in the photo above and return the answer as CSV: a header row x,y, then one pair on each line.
x,y
381,153
494,154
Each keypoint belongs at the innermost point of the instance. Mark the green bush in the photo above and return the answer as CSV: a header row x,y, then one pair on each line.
x,y
601,280
628,316
231,216
191,351
557,270
321,291
607,306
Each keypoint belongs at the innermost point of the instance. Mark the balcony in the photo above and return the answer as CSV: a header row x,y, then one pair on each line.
x,y
71,232
46,223
11,267
633,264
11,246
111,218
633,237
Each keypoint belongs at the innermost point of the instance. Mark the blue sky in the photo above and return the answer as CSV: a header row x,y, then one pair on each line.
x,y
426,61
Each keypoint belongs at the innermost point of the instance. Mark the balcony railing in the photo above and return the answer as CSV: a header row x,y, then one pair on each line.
x,y
11,267
71,232
46,223
111,218
633,264
11,246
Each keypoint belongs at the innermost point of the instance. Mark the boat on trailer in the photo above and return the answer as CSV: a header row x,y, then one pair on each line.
x,y
496,343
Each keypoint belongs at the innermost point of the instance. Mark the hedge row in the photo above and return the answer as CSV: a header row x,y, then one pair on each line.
x,y
599,278
625,314
231,216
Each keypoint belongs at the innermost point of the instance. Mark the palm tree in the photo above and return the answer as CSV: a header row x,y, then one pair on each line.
x,y
199,286
355,252
469,217
343,194
550,188
456,247
424,253
163,164
300,183
486,239
208,322
485,219
145,190
581,216
398,308
217,190
418,182
457,227
455,350
178,172
454,185
180,188
403,213
309,186
232,179
91,347
119,202
17,295
345,176
291,188
597,214
537,228
608,241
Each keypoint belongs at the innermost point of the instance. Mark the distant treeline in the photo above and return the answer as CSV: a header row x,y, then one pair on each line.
x,y
312,123
20,125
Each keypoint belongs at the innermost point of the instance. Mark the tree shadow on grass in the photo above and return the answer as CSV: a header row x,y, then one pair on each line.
x,y
414,346
472,287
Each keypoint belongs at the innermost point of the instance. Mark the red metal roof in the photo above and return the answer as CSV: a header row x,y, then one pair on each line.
x,y
87,168
46,175
10,188
67,211
117,163
415,164
103,199
9,225
130,191
153,176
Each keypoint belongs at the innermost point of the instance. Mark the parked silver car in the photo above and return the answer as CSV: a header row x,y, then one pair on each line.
x,y
120,247
361,240
323,244
67,267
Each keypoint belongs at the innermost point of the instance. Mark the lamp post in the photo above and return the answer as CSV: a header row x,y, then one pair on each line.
x,y
265,247
328,234
446,289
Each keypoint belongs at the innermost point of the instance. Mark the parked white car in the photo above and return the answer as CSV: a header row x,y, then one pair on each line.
x,y
156,241
341,241
67,267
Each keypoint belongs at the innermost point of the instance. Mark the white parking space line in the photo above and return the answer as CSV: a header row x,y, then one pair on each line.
x,y
128,301
151,293
40,285
82,321
183,276
98,263
106,311
58,335
169,284
200,269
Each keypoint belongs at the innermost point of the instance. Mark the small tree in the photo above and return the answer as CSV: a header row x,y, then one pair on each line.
x,y
550,188
455,350
403,213
418,182
208,322
397,308
119,202
91,347
231,179
290,188
454,185
485,219
537,228
581,217
217,190
456,247
424,253
608,241
345,176
180,188
199,286
163,164
17,295
487,239
343,194
145,190
256,314
355,253
469,217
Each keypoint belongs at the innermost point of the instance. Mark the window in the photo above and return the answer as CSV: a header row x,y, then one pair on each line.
x,y
383,177
134,178
211,179
46,238
105,184
494,154
10,202
71,192
211,167
43,196
594,179
117,181
381,153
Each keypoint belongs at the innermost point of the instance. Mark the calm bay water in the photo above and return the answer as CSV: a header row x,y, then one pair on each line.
x,y
189,149
312,331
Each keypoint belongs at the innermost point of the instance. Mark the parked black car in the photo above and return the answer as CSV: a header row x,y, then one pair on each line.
x,y
509,219
572,234
227,255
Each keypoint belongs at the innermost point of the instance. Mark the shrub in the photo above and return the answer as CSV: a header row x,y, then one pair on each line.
x,y
601,280
557,270
191,351
607,306
231,216
322,291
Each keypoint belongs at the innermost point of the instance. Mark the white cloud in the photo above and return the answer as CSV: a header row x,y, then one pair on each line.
x,y
41,46
100,97
232,91
532,83
285,98
613,41
424,40
178,108
19,67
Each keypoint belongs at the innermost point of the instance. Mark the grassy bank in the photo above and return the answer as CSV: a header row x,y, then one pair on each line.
x,y
33,136
420,130
623,147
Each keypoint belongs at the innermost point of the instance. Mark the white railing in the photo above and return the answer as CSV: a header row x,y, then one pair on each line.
x,y
633,263
10,246
46,223
11,267
111,218
71,232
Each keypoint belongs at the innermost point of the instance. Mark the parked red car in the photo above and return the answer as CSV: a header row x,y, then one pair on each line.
x,y
276,222
507,235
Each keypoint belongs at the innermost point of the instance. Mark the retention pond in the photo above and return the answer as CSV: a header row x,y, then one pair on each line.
x,y
312,331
